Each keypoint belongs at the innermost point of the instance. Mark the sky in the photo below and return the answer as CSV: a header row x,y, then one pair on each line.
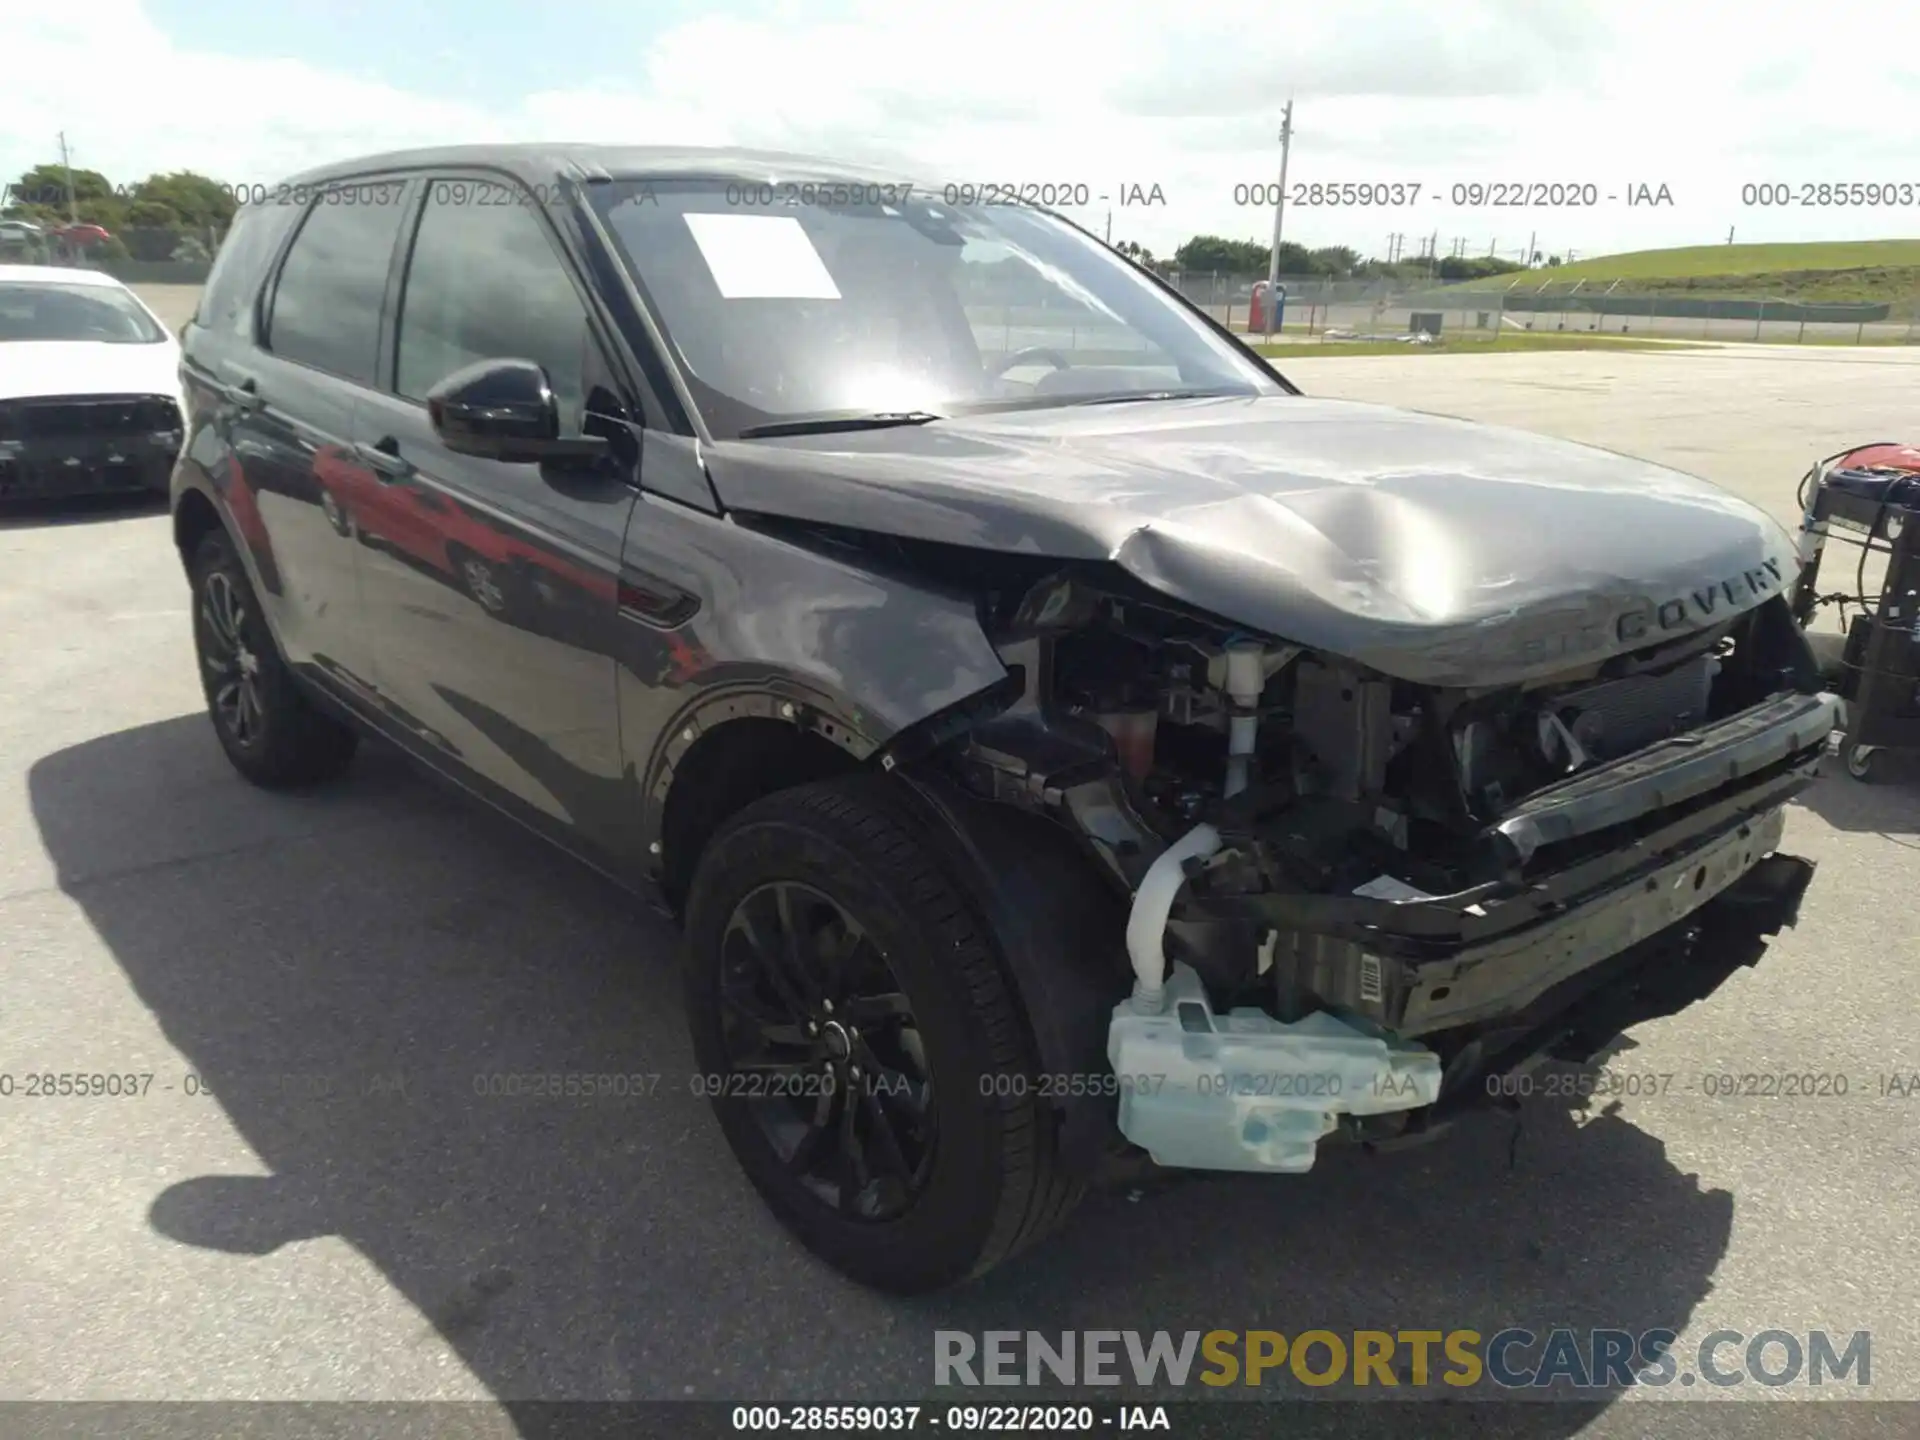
x,y
1115,96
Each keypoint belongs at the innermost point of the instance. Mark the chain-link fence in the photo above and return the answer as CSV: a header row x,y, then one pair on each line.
x,y
1619,308
1318,309
154,255
1228,297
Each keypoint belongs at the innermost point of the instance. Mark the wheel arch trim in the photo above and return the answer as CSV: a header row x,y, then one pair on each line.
x,y
200,490
784,699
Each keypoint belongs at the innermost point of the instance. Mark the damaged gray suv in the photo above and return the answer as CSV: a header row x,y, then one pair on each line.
x,y
1066,745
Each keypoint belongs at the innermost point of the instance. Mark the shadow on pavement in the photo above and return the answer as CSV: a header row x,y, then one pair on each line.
x,y
345,970
1888,804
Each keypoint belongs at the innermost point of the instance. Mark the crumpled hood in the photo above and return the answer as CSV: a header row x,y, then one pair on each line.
x,y
1431,548
31,369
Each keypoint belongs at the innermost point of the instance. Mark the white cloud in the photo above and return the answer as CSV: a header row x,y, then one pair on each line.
x,y
1699,96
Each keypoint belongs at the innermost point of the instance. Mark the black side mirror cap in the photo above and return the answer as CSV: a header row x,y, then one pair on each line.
x,y
505,410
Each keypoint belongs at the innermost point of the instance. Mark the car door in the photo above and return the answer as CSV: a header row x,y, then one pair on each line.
x,y
289,403
493,586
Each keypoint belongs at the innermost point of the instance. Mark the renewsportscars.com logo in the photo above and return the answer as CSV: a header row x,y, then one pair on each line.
x,y
1513,1358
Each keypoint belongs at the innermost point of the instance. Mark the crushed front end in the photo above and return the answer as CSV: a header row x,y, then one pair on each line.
x,y
1355,899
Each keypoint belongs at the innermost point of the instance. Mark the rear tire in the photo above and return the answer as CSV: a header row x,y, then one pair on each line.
x,y
270,730
987,1182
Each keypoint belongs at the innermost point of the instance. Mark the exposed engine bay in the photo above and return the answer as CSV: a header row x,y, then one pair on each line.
x,y
1332,857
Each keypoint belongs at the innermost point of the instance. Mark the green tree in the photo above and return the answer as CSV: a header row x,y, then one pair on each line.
x,y
44,188
1215,252
1250,257
196,201
46,185
1474,267
158,212
1294,259
152,213
1336,261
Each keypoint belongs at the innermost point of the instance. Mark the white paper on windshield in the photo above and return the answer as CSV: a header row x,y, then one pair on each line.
x,y
761,257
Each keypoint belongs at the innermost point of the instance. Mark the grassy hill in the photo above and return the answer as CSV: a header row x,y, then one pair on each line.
x,y
1842,270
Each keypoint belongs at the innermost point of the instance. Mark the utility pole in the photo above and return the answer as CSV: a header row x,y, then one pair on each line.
x,y
1279,214
1532,241
1730,234
1109,225
67,165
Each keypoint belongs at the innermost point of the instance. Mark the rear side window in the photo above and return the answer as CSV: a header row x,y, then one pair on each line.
x,y
326,306
485,283
226,303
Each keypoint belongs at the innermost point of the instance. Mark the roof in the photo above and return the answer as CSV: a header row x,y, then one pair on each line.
x,y
57,275
542,162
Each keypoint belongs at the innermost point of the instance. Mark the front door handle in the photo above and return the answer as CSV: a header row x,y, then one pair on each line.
x,y
384,459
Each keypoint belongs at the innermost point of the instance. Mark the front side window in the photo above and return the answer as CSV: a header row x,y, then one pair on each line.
x,y
52,310
484,283
897,302
326,306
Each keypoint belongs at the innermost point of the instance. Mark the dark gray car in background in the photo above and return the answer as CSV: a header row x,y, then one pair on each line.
x,y
1065,745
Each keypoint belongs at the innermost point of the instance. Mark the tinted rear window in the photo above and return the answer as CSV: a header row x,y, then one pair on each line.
x,y
326,306
227,301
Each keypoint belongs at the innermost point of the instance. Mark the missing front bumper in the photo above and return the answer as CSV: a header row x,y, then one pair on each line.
x,y
1246,1092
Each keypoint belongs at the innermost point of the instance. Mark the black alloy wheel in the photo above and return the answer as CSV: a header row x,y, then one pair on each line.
x,y
232,666
271,731
862,1044
826,1051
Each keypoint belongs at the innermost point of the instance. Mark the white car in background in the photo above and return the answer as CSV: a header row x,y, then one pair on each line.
x,y
89,386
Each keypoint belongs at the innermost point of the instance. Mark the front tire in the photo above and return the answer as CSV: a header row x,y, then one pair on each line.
x,y
270,730
868,1059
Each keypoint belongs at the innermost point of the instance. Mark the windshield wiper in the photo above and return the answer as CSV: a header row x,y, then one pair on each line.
x,y
832,424
1152,395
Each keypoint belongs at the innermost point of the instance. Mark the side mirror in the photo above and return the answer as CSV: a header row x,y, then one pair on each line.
x,y
504,410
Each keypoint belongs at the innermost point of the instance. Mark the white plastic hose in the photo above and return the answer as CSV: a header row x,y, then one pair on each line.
x,y
1152,904
1246,678
1242,733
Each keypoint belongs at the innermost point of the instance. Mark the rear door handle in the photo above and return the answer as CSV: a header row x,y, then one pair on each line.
x,y
384,459
244,394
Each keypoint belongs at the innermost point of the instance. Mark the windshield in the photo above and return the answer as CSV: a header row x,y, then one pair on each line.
x,y
50,310
898,305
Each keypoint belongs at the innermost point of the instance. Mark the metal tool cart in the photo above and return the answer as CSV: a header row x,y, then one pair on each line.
x,y
1868,497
